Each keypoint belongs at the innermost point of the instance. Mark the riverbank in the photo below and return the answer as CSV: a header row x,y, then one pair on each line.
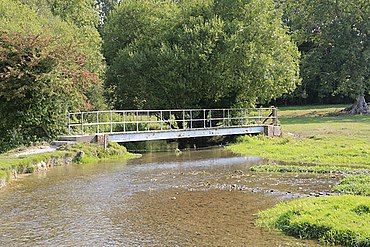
x,y
30,160
319,140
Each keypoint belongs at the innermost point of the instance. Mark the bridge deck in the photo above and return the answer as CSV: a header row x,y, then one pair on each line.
x,y
175,134
142,125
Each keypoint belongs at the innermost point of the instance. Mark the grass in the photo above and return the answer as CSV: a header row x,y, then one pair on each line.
x,y
319,140
323,139
354,185
309,169
323,219
92,153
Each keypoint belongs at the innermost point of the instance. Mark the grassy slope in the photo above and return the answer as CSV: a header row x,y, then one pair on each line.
x,y
316,136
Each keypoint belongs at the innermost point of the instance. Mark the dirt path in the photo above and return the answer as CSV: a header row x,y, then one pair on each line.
x,y
36,150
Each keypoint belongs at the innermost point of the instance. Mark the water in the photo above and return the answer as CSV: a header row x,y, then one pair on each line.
x,y
198,198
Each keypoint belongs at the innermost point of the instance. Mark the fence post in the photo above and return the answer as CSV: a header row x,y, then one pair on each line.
x,y
275,116
183,119
210,118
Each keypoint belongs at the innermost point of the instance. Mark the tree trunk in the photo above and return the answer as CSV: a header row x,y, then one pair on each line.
x,y
360,106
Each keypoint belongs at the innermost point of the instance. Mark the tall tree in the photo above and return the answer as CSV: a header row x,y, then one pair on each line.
x,y
45,71
179,54
335,35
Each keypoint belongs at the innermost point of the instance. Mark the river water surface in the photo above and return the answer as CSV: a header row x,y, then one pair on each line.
x,y
198,198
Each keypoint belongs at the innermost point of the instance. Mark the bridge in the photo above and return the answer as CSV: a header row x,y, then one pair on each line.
x,y
145,125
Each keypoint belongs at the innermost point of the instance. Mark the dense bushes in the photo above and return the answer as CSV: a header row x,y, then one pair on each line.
x,y
47,68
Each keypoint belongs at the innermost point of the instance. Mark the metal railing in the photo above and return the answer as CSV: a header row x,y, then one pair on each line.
x,y
118,121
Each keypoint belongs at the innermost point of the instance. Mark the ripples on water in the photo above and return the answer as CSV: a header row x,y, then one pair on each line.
x,y
158,200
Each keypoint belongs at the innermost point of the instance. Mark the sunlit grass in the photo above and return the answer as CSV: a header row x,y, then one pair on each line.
x,y
342,140
341,220
319,140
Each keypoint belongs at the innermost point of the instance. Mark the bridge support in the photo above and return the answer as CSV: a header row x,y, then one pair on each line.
x,y
271,130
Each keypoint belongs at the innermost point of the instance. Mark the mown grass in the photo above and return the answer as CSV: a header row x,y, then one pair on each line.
x,y
342,140
91,153
341,220
319,140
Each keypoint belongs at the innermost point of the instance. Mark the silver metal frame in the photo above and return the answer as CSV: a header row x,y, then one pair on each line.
x,y
125,121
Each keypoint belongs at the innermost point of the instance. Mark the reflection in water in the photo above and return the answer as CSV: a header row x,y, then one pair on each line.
x,y
199,198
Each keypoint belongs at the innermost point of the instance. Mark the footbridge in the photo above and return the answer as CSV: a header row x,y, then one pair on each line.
x,y
145,125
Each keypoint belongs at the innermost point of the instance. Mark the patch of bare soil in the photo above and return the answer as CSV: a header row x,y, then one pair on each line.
x,y
35,150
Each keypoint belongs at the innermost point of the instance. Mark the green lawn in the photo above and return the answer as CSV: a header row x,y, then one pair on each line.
x,y
319,139
341,140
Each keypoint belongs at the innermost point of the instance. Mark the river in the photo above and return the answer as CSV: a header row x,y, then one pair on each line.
x,y
197,198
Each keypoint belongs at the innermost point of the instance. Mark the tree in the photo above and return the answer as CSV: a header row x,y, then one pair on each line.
x,y
180,54
335,35
45,72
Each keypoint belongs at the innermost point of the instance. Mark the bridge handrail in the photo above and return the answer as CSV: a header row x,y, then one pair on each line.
x,y
121,121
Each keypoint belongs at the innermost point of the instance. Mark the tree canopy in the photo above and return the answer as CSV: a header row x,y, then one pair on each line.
x,y
334,39
180,54
47,68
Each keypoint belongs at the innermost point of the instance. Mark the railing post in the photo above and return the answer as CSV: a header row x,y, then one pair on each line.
x,y
191,119
210,118
183,119
124,121
161,120
69,123
97,122
275,116
169,119
228,117
111,121
259,116
204,118
82,123
148,120
137,121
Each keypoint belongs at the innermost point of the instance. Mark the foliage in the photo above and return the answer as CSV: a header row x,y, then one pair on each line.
x,y
191,54
354,185
340,220
46,69
333,37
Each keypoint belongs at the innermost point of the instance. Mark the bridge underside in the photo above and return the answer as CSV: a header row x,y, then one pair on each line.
x,y
175,134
